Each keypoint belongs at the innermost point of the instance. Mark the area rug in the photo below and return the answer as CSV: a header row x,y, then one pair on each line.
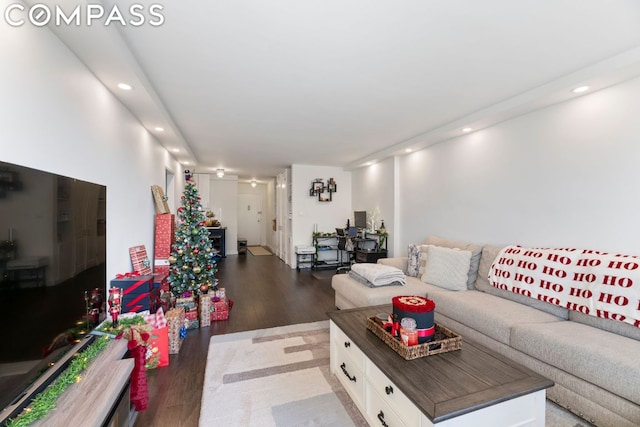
x,y
280,377
258,250
274,377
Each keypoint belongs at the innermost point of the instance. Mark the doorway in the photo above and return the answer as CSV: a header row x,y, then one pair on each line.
x,y
250,224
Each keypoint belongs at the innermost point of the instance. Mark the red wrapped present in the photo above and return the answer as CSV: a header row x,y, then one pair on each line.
x,y
219,315
191,315
140,260
164,238
158,346
220,309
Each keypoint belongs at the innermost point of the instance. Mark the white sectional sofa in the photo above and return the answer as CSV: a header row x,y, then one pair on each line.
x,y
594,362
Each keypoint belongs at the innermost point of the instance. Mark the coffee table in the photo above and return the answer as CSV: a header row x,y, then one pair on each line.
x,y
473,386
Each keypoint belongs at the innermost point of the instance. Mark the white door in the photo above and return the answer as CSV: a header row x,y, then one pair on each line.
x,y
250,218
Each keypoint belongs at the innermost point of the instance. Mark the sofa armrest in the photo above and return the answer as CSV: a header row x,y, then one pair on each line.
x,y
398,262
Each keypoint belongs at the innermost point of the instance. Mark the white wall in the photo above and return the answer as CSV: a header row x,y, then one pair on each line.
x,y
265,190
562,176
374,187
56,116
223,200
307,211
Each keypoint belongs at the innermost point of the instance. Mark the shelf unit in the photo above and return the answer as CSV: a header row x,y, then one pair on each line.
x,y
217,235
327,254
371,247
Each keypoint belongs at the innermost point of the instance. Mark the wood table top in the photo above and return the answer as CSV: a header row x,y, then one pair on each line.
x,y
444,385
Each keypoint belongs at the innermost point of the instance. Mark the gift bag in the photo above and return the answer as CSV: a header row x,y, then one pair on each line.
x,y
157,354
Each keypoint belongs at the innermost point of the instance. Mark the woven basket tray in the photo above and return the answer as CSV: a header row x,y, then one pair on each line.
x,y
445,340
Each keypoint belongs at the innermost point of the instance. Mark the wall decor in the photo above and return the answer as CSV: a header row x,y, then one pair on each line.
x,y
324,191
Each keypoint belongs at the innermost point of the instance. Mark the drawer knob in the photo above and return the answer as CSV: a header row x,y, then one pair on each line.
x,y
381,418
388,389
347,344
344,370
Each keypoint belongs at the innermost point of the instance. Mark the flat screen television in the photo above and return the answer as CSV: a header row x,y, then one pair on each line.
x,y
52,275
360,219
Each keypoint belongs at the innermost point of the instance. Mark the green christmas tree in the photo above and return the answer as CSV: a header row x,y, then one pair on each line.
x,y
192,263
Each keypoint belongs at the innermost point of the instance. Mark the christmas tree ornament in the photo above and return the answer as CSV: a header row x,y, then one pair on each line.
x,y
192,266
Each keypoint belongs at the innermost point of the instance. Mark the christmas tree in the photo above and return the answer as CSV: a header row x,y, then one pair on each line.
x,y
192,264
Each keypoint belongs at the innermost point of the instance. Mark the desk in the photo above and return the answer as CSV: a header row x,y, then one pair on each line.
x,y
33,269
218,240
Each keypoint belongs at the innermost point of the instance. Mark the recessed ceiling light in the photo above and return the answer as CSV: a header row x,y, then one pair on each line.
x,y
125,86
408,150
466,130
159,129
186,163
580,89
176,150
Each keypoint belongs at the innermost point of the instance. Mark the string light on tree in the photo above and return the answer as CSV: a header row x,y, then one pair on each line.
x,y
192,265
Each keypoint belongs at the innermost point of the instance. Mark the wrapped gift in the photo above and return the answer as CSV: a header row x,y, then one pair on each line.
x,y
219,315
220,309
158,281
164,238
136,291
161,205
205,310
175,328
157,354
191,315
140,260
192,324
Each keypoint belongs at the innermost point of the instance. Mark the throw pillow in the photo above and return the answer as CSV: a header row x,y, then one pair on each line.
x,y
413,264
422,259
476,252
447,268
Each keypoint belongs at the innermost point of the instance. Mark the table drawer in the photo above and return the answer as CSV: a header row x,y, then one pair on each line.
x,y
380,413
351,378
392,395
345,346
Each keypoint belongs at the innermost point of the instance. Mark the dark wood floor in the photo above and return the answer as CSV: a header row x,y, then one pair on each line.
x,y
266,293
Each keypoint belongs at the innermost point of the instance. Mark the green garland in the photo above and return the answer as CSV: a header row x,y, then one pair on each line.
x,y
46,401
123,323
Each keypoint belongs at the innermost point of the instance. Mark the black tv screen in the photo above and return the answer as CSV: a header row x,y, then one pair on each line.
x,y
52,274
360,219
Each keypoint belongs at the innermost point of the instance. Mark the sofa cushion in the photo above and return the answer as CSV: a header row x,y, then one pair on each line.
x,y
413,263
476,252
398,262
362,296
599,357
488,314
609,325
447,267
489,253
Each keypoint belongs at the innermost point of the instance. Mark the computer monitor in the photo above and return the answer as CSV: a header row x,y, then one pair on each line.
x,y
360,219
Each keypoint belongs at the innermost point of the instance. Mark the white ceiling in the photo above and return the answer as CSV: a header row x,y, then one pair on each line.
x,y
253,86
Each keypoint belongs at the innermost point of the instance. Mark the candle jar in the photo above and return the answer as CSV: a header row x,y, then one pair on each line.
x,y
408,331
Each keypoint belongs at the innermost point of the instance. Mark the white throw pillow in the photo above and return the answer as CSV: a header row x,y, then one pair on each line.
x,y
422,259
447,268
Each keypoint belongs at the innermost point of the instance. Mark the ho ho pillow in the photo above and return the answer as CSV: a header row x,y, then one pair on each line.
x,y
446,267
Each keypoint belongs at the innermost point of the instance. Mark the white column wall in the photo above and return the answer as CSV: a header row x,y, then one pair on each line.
x,y
56,116
307,211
